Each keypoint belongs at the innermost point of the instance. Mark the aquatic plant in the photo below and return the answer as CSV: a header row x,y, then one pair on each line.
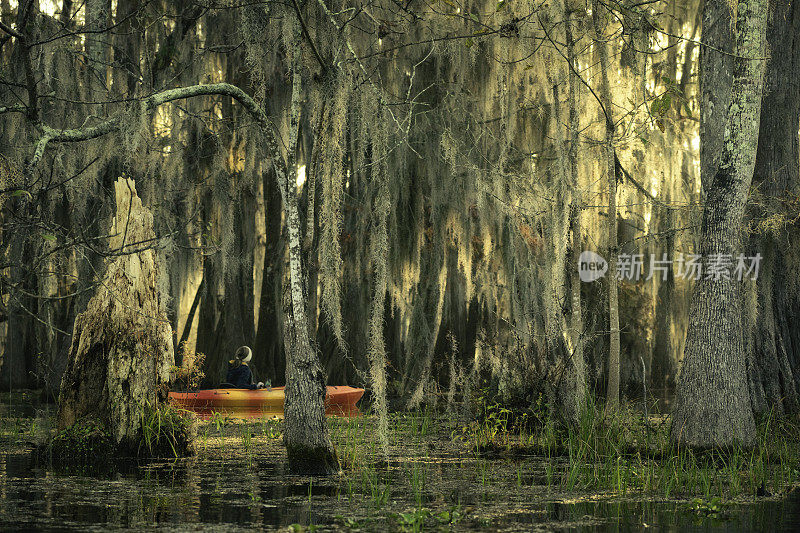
x,y
412,521
416,520
167,431
713,508
247,437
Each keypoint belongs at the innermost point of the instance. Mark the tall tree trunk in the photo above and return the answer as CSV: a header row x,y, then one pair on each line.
x,y
269,345
90,218
21,244
662,369
576,317
66,13
774,353
208,324
127,48
612,388
712,403
308,444
716,76
20,343
237,324
425,372
98,18
47,289
54,354
187,326
663,360
310,248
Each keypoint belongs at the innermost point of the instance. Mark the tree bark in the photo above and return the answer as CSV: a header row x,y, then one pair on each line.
x,y
308,444
127,49
576,317
662,369
612,387
121,351
98,18
211,304
187,326
269,345
425,372
716,77
238,326
774,353
66,13
20,344
712,403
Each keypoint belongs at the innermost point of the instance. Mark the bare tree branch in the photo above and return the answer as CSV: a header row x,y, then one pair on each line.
x,y
308,38
18,108
151,102
10,30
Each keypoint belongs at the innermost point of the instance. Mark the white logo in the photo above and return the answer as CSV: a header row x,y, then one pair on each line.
x,y
591,266
632,267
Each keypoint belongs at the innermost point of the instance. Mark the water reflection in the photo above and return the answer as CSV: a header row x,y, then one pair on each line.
x,y
199,492
226,488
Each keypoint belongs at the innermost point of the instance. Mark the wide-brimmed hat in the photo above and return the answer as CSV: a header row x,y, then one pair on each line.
x,y
244,354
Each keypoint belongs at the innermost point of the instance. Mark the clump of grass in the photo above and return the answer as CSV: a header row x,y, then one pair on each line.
x,y
355,442
166,432
218,420
418,479
497,426
16,429
247,437
379,490
627,452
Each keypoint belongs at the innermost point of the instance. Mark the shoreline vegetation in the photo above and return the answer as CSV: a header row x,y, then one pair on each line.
x,y
503,451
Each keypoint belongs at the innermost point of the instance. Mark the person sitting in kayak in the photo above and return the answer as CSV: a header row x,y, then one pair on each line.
x,y
239,374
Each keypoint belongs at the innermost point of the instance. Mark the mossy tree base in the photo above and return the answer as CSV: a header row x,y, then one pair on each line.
x,y
87,442
165,433
320,461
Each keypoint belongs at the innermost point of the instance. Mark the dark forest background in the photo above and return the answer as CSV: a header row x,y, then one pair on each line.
x,y
452,161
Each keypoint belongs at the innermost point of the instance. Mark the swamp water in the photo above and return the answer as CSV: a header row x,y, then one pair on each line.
x,y
239,480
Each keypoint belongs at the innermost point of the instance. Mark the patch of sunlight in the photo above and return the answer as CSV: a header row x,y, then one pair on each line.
x,y
162,122
301,175
50,7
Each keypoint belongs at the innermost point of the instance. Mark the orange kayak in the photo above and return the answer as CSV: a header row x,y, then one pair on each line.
x,y
246,403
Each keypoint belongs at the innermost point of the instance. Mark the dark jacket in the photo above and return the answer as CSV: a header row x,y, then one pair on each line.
x,y
240,376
